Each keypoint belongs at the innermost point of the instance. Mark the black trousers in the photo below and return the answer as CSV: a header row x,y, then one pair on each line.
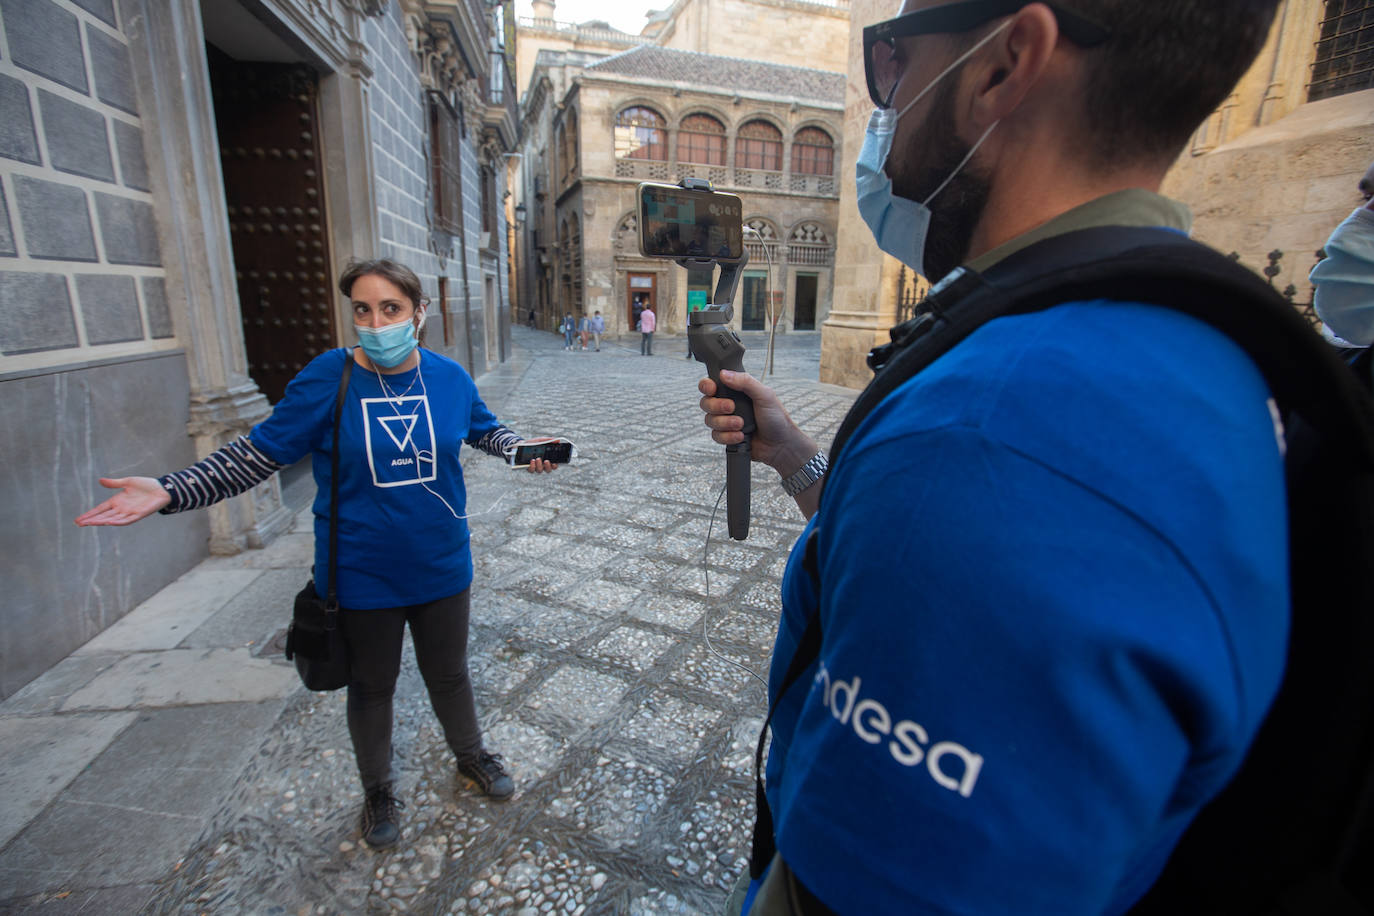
x,y
439,630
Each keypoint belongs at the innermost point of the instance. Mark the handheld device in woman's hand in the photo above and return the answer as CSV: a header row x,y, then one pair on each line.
x,y
558,451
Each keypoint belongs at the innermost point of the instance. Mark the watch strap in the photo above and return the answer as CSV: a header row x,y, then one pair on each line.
x,y
807,474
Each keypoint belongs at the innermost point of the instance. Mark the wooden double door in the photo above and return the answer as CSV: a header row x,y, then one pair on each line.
x,y
267,116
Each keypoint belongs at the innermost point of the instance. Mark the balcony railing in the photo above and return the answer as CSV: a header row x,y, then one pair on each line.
x,y
758,178
810,255
723,177
642,169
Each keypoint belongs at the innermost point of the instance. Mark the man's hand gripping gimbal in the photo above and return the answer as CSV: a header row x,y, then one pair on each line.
x,y
673,223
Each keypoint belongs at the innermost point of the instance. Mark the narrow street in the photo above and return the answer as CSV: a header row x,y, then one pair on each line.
x,y
175,765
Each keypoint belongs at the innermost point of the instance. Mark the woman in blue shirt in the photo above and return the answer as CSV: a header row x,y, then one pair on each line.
x,y
403,554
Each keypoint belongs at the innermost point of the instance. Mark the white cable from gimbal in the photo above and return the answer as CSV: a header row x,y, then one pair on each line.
x,y
768,297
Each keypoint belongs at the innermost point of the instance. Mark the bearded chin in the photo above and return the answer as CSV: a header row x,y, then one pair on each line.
x,y
954,216
955,212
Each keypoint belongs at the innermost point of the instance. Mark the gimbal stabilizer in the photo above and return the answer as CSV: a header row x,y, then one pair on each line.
x,y
718,347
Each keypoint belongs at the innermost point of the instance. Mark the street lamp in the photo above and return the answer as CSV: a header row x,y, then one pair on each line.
x,y
520,212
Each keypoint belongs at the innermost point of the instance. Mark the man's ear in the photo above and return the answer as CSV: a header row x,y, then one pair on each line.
x,y
1012,64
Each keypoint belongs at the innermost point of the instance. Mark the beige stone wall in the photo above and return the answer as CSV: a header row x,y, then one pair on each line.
x,y
794,33
1270,170
865,296
550,36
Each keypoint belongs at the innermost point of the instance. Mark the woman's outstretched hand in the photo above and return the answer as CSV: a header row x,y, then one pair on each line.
x,y
138,498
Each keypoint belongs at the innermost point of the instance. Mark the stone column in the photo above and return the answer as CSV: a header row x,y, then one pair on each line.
x,y
167,48
345,123
864,303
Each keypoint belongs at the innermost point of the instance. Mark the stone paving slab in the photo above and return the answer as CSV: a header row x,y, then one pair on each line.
x,y
43,755
180,677
630,741
165,619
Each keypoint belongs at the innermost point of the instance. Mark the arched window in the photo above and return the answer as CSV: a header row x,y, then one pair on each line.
x,y
759,146
640,133
813,152
701,139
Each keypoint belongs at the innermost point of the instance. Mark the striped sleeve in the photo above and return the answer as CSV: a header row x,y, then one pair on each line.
x,y
229,471
497,441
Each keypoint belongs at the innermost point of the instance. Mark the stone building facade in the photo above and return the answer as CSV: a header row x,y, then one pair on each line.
x,y
766,132
1273,169
180,183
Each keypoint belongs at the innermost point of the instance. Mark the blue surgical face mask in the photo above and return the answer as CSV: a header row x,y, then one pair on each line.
x,y
389,345
900,225
1344,280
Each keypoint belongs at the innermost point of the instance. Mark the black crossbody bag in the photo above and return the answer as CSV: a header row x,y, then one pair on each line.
x,y
314,641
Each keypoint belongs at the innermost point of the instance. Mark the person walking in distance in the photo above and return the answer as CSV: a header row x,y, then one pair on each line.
x,y
569,328
646,327
403,554
598,328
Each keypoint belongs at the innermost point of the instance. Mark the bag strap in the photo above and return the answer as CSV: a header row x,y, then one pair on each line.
x,y
808,649
1136,265
331,599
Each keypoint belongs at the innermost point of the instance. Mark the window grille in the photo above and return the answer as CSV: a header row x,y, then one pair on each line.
x,y
813,152
701,139
759,146
1344,61
446,186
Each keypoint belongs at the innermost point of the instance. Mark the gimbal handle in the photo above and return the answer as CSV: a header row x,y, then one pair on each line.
x,y
718,347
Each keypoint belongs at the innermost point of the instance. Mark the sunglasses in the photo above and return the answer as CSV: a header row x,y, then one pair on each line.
x,y
884,67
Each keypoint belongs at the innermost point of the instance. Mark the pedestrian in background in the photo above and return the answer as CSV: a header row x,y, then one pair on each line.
x,y
647,323
403,554
584,328
598,328
568,327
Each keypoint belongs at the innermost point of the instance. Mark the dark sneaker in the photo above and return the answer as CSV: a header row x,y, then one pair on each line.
x,y
379,817
486,773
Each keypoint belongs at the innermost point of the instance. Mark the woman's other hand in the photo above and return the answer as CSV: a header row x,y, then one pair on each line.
x,y
541,466
138,498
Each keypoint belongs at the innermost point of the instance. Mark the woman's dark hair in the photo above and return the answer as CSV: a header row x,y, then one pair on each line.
x,y
387,269
1167,65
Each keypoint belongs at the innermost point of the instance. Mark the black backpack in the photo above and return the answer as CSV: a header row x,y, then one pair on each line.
x,y
1293,832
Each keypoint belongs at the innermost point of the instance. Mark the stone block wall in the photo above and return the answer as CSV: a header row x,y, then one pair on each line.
x,y
77,215
90,368
400,140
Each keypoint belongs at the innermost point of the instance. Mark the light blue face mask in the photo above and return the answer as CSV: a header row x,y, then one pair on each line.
x,y
389,345
900,225
1344,298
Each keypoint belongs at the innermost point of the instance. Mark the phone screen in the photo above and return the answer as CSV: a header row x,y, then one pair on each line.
x,y
689,223
557,452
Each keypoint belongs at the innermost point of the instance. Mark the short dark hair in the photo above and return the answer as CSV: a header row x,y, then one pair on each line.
x,y
387,269
1167,65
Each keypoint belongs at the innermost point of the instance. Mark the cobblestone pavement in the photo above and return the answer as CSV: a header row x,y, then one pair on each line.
x,y
630,743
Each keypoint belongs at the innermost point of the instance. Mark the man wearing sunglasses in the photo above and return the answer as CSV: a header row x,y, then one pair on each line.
x,y
1051,568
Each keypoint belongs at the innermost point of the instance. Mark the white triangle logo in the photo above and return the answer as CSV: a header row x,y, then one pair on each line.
x,y
405,425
